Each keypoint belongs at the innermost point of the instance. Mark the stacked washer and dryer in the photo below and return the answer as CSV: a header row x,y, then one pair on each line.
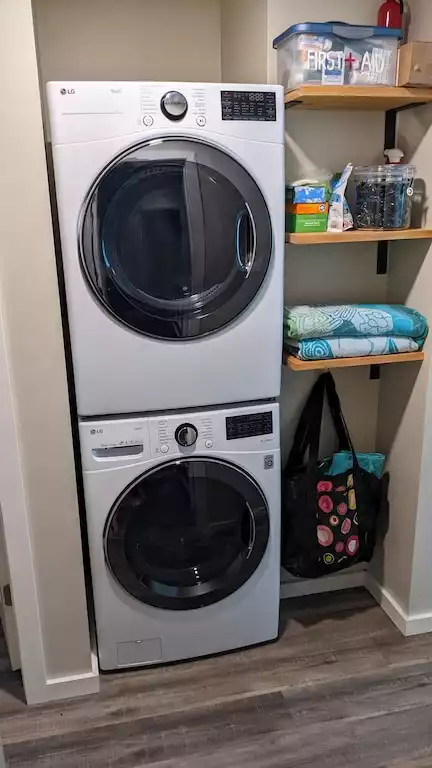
x,y
171,211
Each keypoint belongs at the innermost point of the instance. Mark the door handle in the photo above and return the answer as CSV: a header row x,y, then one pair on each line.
x,y
252,536
7,596
245,256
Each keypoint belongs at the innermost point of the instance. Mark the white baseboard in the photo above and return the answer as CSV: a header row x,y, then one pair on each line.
x,y
417,624
388,603
56,688
421,624
292,587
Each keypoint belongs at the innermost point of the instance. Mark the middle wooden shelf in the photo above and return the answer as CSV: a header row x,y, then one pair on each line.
x,y
357,236
351,362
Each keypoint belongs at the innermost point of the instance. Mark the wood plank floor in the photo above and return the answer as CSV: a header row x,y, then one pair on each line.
x,y
340,688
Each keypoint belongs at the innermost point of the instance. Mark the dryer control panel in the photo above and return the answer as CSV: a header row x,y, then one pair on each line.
x,y
249,105
86,111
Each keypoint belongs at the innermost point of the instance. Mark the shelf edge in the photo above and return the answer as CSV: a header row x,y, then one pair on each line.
x,y
357,236
297,365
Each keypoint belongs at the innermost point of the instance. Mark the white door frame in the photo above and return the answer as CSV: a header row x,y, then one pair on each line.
x,y
7,610
23,111
38,687
17,536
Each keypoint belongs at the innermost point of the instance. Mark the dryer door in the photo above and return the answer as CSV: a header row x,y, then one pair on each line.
x,y
187,534
175,239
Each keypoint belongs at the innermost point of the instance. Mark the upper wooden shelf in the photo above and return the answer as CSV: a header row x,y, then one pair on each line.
x,y
357,236
351,362
377,98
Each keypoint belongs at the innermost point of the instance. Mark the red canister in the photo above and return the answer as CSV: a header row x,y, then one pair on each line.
x,y
390,14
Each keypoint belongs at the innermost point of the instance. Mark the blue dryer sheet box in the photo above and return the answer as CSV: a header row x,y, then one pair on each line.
x,y
307,193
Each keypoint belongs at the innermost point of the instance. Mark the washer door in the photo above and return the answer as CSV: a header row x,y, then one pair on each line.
x,y
175,238
187,534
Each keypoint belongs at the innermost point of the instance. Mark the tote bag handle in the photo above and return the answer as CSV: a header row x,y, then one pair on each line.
x,y
307,435
338,417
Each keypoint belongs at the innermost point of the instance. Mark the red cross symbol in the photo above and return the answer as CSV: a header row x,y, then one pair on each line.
x,y
350,60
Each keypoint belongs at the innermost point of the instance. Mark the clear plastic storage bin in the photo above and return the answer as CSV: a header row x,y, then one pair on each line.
x,y
337,54
383,196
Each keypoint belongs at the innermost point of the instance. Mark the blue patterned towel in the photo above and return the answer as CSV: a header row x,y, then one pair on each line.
x,y
343,461
330,349
354,321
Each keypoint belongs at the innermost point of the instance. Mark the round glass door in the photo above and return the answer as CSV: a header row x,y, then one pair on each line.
x,y
175,239
187,534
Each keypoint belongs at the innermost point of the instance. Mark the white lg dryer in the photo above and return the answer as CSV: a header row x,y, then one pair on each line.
x,y
183,516
171,212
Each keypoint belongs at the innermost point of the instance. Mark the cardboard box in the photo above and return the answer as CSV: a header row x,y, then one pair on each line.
x,y
307,193
415,65
314,223
307,208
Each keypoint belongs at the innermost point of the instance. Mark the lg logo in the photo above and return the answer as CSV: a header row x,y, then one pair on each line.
x,y
65,91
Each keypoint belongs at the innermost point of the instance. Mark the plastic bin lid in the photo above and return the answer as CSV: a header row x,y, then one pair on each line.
x,y
386,173
340,28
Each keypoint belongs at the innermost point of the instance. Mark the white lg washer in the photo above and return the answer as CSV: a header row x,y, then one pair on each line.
x,y
171,212
183,515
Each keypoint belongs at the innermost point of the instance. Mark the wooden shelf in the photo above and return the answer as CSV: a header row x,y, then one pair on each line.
x,y
351,362
357,236
379,98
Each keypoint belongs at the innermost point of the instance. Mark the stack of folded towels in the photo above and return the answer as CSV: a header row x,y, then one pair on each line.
x,y
352,330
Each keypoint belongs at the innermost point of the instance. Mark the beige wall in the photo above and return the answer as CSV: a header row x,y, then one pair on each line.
x,y
416,133
405,424
400,435
129,39
34,340
244,32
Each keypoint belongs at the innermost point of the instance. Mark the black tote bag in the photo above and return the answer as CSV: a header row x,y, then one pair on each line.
x,y
329,521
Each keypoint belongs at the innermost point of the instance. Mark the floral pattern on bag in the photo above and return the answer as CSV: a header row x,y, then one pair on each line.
x,y
341,540
325,486
325,503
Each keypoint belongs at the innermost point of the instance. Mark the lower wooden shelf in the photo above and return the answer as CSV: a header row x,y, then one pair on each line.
x,y
357,236
351,362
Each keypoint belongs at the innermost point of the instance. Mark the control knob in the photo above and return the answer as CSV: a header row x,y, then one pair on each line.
x,y
186,435
174,105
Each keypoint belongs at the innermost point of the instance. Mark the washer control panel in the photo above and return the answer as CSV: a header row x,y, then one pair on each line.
x,y
125,442
115,442
173,435
249,425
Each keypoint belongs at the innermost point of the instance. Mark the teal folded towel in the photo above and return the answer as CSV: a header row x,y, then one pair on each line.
x,y
331,349
354,321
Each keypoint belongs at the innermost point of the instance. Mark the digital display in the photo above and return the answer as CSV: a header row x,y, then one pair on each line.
x,y
249,425
259,106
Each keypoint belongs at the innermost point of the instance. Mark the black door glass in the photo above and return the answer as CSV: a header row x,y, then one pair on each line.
x,y
187,534
175,239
